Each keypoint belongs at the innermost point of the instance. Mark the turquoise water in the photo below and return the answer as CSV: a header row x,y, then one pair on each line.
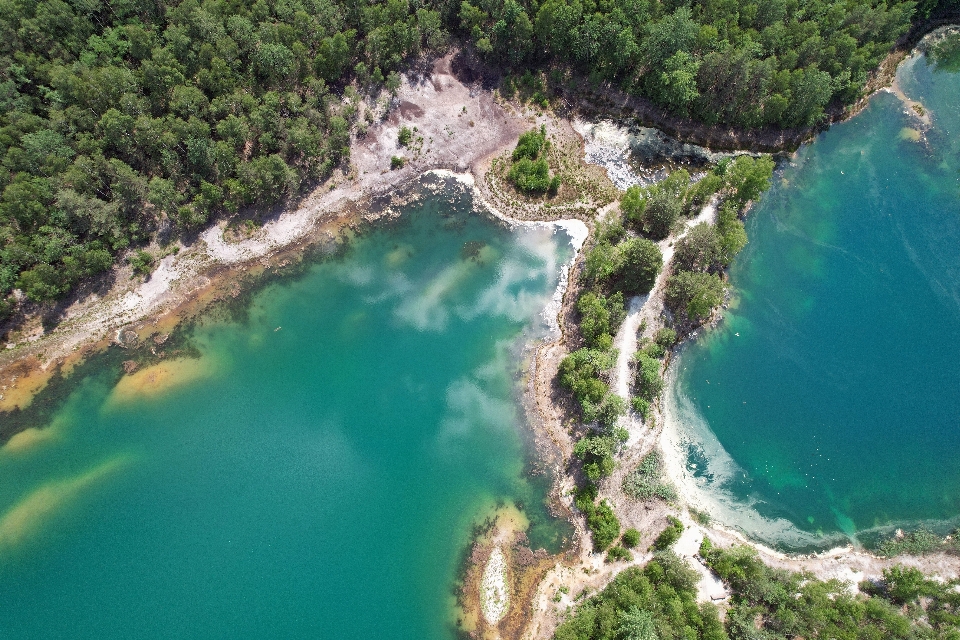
x,y
829,397
316,473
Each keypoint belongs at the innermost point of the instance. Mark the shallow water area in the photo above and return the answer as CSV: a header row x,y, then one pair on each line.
x,y
828,399
316,471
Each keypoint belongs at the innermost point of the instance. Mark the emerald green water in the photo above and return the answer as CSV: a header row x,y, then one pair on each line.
x,y
829,397
320,474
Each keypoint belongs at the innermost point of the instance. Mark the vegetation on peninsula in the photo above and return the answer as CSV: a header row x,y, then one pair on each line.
x,y
625,260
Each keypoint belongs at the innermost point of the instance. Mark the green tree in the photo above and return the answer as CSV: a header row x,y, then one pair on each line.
x,y
747,178
636,624
678,82
693,295
639,261
699,250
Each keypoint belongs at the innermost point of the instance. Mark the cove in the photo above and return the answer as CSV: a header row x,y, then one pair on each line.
x,y
310,465
828,398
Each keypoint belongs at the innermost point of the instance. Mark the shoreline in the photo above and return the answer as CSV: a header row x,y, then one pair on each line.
x,y
209,267
590,572
210,270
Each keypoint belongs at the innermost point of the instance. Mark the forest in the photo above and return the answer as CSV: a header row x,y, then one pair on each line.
x,y
126,121
660,601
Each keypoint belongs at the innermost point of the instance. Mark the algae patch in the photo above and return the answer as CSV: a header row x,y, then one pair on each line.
x,y
910,134
160,378
25,518
28,439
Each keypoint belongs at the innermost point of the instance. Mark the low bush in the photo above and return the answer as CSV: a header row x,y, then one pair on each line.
x,y
669,535
647,481
647,380
914,543
604,525
618,553
530,176
631,538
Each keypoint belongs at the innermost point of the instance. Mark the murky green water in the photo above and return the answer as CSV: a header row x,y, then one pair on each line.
x,y
315,474
829,397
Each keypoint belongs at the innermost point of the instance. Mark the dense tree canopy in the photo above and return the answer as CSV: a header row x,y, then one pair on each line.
x,y
118,117
660,601
743,62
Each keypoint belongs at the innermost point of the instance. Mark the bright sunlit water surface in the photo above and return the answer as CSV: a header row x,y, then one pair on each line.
x,y
829,396
313,470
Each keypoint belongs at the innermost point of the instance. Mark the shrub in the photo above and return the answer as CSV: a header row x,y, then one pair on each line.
x,y
604,526
669,535
904,584
647,380
777,603
693,294
554,186
631,538
657,601
618,553
700,191
397,162
530,176
665,337
405,136
654,351
531,144
640,405
633,203
141,261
